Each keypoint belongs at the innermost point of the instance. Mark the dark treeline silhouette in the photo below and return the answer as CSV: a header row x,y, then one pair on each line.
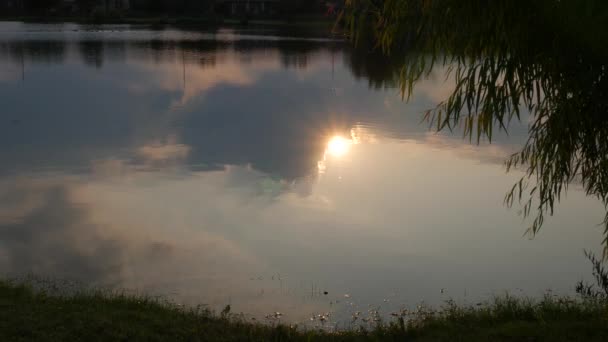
x,y
181,7
280,9
87,7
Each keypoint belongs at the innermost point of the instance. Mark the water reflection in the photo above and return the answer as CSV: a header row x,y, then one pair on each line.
x,y
188,164
338,146
92,53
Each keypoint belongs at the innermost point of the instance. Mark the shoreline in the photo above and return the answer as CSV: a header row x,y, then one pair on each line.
x,y
33,313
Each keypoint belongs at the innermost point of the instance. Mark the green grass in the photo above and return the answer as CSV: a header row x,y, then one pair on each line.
x,y
28,314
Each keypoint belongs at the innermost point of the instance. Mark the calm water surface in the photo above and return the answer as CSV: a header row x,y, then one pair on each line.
x,y
259,170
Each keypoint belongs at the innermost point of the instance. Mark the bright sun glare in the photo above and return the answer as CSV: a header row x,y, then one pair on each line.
x,y
338,146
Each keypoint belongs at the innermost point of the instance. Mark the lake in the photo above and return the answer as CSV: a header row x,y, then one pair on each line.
x,y
273,171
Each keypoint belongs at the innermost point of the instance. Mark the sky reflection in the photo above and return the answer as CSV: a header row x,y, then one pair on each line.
x,y
258,172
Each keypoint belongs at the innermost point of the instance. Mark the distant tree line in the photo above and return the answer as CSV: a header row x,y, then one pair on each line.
x,y
41,7
172,6
281,8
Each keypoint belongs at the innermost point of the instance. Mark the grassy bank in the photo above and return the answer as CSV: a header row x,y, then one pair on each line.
x,y
35,315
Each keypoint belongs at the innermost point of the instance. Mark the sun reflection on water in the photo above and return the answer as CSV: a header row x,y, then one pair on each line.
x,y
337,147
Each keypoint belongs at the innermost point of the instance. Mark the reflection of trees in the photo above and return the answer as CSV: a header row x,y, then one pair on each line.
x,y
506,57
92,52
37,51
294,53
299,61
297,53
378,69
116,50
168,51
205,52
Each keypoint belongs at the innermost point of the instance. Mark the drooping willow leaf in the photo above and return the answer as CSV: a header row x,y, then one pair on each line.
x,y
546,57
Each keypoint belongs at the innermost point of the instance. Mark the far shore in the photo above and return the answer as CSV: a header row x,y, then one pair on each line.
x,y
322,22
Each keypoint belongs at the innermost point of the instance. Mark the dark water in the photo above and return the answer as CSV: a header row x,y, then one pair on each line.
x,y
257,170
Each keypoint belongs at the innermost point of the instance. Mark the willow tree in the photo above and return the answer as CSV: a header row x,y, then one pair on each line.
x,y
545,57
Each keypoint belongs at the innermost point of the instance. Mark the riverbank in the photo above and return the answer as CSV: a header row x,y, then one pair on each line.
x,y
36,315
